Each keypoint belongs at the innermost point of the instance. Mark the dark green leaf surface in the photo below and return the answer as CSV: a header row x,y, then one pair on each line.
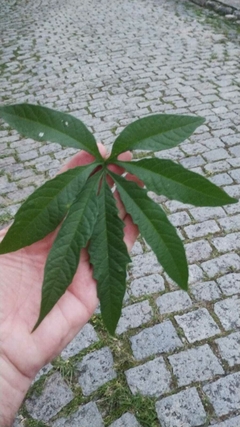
x,y
43,211
93,214
109,257
64,255
175,182
157,132
45,124
155,228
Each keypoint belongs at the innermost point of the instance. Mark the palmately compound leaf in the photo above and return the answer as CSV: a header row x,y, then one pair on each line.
x,y
109,257
45,124
157,230
156,132
74,234
43,211
167,178
93,214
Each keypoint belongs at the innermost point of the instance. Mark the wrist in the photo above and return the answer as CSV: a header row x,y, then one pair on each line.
x,y
13,388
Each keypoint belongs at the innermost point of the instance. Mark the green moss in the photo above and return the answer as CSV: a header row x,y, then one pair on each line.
x,y
34,423
115,399
66,369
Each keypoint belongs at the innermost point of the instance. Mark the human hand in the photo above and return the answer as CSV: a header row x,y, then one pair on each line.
x,y
22,353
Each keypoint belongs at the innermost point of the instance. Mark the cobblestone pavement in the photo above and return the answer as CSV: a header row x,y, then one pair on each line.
x,y
176,359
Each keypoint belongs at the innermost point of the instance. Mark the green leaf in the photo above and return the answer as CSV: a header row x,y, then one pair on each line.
x,y
175,182
63,258
109,257
155,228
157,132
43,211
45,124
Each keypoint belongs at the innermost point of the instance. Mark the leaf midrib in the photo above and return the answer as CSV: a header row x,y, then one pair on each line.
x,y
172,181
47,205
46,126
68,247
149,222
110,300
162,132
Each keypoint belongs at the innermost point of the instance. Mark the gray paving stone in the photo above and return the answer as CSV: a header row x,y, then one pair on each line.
x,y
224,394
205,213
231,223
46,166
228,312
183,409
136,249
221,265
42,160
173,301
133,316
150,379
174,206
229,348
231,242
86,337
198,251
196,364
126,420
232,190
173,154
198,325
158,339
179,218
145,264
11,210
230,283
52,148
234,162
215,167
201,229
6,186
6,161
221,179
42,372
233,422
147,285
205,291
65,153
231,140
87,415
28,155
217,154
95,369
55,396
192,161
235,174
195,274
235,150
194,148
21,195
224,131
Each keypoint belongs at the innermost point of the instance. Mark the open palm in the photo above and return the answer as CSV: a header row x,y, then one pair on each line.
x,y
21,278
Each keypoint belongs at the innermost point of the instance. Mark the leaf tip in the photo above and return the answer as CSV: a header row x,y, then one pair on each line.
x,y
40,319
234,200
35,326
111,329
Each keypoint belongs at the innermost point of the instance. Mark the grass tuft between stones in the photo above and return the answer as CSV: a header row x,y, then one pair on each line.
x,y
115,399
